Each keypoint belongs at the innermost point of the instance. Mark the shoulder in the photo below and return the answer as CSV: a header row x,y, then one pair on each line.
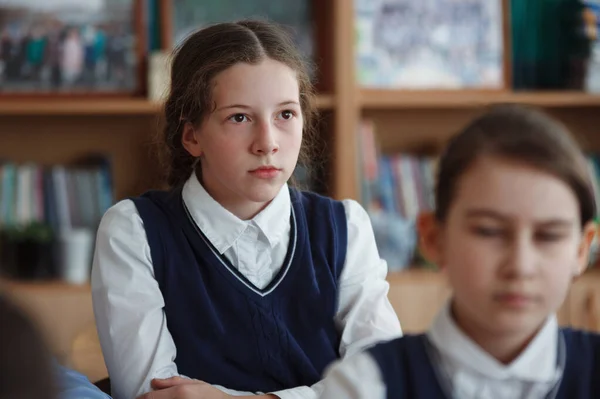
x,y
580,377
360,228
317,207
356,376
372,373
392,354
121,246
312,198
123,217
582,343
128,215
353,211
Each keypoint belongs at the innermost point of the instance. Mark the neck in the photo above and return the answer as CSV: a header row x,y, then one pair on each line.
x,y
245,211
241,208
503,346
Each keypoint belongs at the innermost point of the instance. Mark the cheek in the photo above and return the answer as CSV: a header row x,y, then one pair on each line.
x,y
293,134
469,263
558,268
230,144
223,155
290,143
297,143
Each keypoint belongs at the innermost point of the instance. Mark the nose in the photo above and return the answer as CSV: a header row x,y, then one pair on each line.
x,y
521,262
265,139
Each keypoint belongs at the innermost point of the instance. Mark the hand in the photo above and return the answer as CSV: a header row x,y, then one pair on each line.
x,y
183,388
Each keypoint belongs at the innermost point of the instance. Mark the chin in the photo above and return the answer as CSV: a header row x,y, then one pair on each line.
x,y
264,193
518,323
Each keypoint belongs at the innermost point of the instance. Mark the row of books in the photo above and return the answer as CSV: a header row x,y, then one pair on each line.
x,y
400,183
60,196
396,188
67,196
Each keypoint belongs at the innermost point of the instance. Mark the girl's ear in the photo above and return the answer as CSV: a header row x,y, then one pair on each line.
x,y
430,238
189,140
583,254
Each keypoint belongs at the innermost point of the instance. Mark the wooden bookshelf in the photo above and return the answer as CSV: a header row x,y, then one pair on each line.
x,y
47,286
325,102
81,106
50,131
392,99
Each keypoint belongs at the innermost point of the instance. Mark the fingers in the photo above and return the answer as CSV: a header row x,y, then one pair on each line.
x,y
185,389
163,383
156,395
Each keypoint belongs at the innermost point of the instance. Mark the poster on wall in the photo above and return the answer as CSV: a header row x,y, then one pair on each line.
x,y
69,46
429,44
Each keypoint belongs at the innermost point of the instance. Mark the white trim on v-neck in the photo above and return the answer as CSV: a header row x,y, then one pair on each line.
x,y
236,273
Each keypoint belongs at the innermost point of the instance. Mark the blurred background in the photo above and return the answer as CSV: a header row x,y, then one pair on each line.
x,y
81,85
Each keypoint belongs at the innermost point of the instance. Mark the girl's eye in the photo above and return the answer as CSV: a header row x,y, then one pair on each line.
x,y
238,118
549,237
487,231
286,115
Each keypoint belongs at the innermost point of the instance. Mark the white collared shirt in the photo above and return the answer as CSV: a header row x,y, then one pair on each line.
x,y
473,373
128,303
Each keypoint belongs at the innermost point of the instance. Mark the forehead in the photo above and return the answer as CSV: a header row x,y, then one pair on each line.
x,y
267,82
516,190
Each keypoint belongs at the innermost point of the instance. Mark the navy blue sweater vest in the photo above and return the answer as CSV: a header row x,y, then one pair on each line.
x,y
408,372
229,332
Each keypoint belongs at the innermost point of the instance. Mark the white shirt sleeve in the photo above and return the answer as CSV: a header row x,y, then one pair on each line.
x,y
365,315
355,377
128,303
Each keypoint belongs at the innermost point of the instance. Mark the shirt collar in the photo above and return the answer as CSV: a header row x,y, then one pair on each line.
x,y
208,214
274,220
537,363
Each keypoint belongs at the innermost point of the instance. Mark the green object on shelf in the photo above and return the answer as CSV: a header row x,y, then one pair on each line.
x,y
37,232
549,48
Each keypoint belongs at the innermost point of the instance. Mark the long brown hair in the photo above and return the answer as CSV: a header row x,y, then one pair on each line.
x,y
202,56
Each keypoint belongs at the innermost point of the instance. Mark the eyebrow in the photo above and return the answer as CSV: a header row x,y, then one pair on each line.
x,y
489,213
281,104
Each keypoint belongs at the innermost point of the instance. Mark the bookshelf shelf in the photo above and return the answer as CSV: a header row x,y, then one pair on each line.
x,y
325,101
397,99
45,286
78,106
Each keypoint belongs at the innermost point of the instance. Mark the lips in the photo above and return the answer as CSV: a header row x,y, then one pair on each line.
x,y
268,167
265,172
515,299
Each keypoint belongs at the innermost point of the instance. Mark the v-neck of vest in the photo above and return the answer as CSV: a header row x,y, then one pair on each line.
x,y
238,277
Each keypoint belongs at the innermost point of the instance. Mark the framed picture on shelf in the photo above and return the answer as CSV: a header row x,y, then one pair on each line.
x,y
187,16
432,44
71,47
